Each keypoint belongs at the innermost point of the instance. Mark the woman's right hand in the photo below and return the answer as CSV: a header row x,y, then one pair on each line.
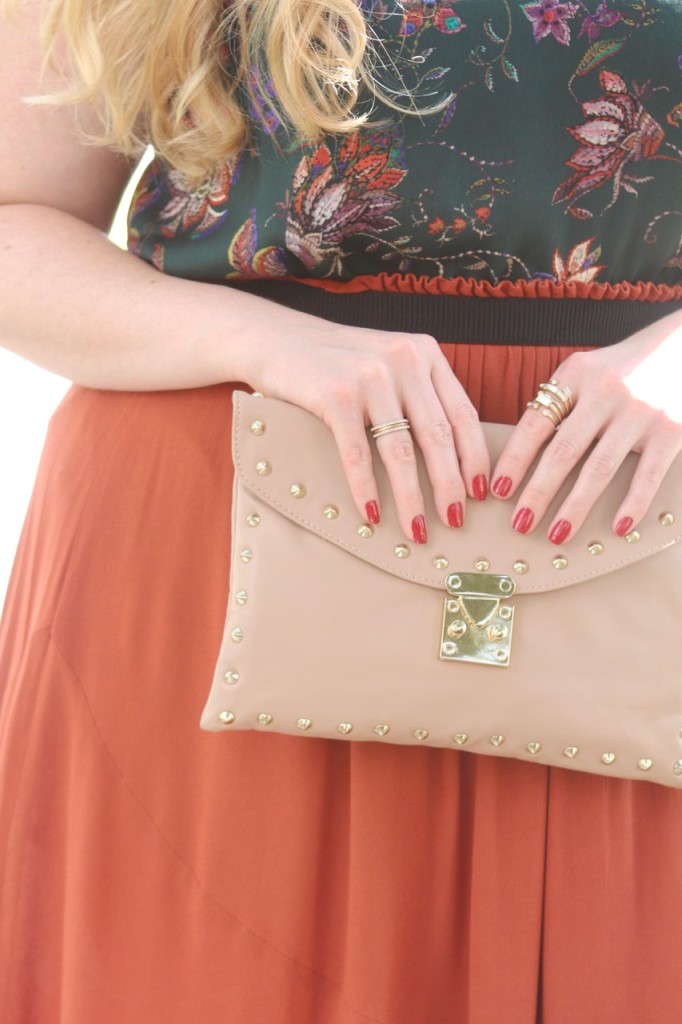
x,y
353,378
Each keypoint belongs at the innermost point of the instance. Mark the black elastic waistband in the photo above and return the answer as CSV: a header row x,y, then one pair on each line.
x,y
453,318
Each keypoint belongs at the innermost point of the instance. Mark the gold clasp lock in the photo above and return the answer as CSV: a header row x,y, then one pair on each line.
x,y
476,625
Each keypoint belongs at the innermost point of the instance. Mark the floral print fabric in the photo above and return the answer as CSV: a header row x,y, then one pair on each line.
x,y
555,154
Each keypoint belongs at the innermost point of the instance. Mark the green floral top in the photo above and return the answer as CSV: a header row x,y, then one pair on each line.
x,y
557,158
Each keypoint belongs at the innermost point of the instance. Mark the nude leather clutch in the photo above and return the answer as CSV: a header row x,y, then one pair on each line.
x,y
482,640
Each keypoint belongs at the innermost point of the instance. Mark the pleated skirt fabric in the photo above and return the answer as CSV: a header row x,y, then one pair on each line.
x,y
155,874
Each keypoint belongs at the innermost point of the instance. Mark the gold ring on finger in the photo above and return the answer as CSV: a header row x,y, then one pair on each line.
x,y
389,427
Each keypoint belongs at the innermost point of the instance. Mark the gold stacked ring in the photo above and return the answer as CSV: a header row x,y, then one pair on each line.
x,y
553,401
389,427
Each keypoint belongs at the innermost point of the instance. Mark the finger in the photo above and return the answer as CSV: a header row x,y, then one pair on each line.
x,y
469,440
656,459
433,433
530,434
356,459
397,452
564,451
597,472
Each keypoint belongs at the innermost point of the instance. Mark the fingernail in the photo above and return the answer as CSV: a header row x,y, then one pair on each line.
x,y
455,514
502,486
560,531
624,526
419,529
372,510
523,520
480,487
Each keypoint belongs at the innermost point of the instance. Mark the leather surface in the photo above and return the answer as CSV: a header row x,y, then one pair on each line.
x,y
338,629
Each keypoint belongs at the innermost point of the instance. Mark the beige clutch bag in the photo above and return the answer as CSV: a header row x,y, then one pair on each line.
x,y
482,640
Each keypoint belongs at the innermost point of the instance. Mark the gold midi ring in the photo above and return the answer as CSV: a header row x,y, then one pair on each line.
x,y
389,427
553,401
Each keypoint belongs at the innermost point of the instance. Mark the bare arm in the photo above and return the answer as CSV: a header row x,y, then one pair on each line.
x,y
74,303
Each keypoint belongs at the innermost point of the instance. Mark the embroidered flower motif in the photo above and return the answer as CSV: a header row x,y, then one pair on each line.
x,y
594,23
550,16
618,132
337,198
199,211
580,265
246,258
421,13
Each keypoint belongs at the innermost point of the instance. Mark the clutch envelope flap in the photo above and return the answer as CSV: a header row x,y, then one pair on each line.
x,y
289,459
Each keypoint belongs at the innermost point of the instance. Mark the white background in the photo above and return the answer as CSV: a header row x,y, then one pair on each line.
x,y
28,396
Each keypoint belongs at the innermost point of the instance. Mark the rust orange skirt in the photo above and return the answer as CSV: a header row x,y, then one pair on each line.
x,y
155,874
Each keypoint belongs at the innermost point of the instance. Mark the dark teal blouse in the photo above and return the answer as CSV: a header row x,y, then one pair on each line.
x,y
557,160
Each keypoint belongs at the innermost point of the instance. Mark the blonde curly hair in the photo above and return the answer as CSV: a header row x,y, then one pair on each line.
x,y
168,72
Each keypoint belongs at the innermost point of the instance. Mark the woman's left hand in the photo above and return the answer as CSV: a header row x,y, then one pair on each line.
x,y
627,397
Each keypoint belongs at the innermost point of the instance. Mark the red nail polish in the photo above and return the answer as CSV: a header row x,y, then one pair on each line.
x,y
419,529
372,510
502,486
560,531
624,526
523,520
455,514
480,487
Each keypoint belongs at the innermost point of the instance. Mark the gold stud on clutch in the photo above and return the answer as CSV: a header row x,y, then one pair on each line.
x,y
330,512
440,562
571,752
520,567
666,519
264,719
460,738
595,547
644,764
263,468
226,717
241,597
257,428
497,740
231,676
303,723
560,562
297,491
253,519
482,564
365,531
246,555
401,550
533,748
237,634
344,728
420,734
608,758
633,536
381,729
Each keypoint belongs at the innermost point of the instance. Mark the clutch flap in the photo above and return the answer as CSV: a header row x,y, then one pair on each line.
x,y
288,459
